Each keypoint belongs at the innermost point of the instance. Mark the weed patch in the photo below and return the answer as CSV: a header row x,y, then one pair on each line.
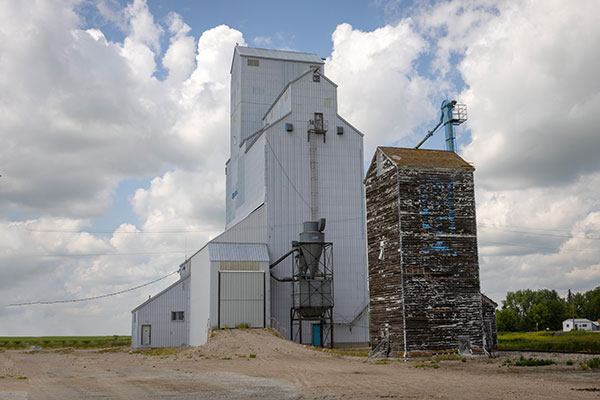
x,y
111,350
162,351
591,363
527,362
346,352
450,357
273,332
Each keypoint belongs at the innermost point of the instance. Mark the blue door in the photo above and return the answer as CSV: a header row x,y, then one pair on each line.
x,y
316,335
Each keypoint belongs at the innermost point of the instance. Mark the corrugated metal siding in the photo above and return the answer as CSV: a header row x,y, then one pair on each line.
x,y
200,298
248,183
258,87
252,229
238,251
241,298
340,200
339,192
279,54
157,314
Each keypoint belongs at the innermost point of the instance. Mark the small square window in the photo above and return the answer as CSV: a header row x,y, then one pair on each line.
x,y
316,78
176,315
252,62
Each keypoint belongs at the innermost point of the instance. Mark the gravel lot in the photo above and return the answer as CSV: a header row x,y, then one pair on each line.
x,y
255,364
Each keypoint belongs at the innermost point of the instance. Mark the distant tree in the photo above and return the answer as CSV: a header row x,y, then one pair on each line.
x,y
507,320
542,317
591,308
543,306
576,304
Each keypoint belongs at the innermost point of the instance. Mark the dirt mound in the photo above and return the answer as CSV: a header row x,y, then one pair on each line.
x,y
254,343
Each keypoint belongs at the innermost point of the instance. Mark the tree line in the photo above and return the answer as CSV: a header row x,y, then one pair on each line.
x,y
544,309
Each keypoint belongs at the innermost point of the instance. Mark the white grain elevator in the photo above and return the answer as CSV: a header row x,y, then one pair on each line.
x,y
295,159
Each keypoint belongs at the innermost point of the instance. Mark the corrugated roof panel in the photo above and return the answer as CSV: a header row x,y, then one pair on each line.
x,y
425,158
238,251
279,54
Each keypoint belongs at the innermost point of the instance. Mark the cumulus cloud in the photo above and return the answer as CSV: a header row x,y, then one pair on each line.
x,y
80,114
377,79
533,115
534,97
530,87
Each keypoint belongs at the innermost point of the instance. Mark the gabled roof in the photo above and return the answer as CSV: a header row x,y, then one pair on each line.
x,y
488,300
580,320
404,157
279,54
221,251
156,296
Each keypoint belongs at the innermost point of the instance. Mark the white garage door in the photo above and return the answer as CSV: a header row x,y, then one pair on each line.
x,y
241,298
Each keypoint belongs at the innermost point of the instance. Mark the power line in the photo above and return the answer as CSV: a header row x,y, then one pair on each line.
x,y
89,298
490,227
492,243
208,228
139,253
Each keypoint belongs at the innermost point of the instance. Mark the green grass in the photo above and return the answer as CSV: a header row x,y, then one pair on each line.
x,y
527,362
362,352
449,357
572,342
158,352
532,362
591,363
23,342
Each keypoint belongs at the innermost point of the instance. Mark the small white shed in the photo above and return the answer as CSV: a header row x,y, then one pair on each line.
x,y
580,324
222,285
162,320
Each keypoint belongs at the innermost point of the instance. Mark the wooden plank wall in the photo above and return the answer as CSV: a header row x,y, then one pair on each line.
x,y
384,275
435,241
489,323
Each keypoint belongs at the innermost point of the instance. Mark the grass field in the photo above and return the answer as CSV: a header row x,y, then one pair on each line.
x,y
578,341
15,342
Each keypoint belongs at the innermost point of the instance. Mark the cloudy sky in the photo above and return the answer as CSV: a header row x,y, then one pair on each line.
x,y
114,133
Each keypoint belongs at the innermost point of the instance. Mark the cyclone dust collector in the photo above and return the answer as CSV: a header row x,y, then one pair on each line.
x,y
312,283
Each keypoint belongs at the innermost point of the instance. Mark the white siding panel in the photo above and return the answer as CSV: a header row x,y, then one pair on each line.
x,y
242,299
284,178
157,314
340,200
251,229
200,299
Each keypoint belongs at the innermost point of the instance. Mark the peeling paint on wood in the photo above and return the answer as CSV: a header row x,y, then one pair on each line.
x,y
422,246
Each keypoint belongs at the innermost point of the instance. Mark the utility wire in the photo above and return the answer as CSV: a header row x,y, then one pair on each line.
x,y
137,253
490,227
31,303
